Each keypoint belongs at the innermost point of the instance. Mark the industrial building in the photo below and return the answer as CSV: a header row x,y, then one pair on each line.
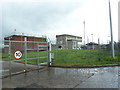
x,y
92,45
66,41
17,42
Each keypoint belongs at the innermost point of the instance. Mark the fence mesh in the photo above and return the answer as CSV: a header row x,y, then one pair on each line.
x,y
102,55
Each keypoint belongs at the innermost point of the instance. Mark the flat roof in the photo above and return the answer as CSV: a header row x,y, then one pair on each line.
x,y
24,36
91,43
67,35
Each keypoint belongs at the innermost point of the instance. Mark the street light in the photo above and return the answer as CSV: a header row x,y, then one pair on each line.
x,y
92,42
84,31
92,37
14,31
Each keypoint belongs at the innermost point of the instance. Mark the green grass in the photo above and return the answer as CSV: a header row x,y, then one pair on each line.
x,y
83,57
29,55
71,57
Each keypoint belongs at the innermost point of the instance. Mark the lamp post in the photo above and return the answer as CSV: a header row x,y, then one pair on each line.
x,y
14,31
84,31
92,42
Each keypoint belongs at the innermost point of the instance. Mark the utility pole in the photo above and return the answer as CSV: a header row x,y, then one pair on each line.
x,y
84,31
112,43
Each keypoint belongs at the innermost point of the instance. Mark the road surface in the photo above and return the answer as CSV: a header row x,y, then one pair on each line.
x,y
49,77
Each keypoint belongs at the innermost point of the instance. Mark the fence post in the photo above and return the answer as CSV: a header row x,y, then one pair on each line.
x,y
38,55
49,54
25,52
9,57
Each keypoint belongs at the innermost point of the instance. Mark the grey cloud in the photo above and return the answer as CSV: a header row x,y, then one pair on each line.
x,y
37,17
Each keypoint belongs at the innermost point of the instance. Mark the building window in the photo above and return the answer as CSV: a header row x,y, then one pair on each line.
x,y
60,47
61,42
74,45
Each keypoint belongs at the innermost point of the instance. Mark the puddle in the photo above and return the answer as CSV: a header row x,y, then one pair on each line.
x,y
4,73
66,78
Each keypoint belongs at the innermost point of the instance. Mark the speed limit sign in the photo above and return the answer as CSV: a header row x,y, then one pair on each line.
x,y
18,54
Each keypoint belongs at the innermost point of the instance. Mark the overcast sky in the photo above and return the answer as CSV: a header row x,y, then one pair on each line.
x,y
55,17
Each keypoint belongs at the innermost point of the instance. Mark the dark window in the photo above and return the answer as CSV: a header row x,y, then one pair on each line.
x,y
59,46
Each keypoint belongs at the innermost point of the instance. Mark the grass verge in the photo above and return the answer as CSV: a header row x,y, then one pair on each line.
x,y
63,57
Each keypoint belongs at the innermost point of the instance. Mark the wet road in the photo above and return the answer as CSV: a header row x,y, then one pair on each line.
x,y
15,68
106,77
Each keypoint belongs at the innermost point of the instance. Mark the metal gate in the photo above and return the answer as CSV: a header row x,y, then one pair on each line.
x,y
24,55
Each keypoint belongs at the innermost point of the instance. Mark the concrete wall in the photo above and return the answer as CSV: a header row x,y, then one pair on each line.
x,y
69,44
66,41
92,46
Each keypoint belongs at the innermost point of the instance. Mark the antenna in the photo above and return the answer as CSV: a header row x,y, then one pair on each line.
x,y
14,31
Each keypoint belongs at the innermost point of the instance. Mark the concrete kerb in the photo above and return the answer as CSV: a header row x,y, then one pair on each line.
x,y
22,72
78,66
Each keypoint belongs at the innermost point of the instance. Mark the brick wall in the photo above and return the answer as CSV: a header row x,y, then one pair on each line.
x,y
20,45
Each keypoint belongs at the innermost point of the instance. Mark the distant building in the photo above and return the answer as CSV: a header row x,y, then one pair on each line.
x,y
66,41
92,45
19,44
53,46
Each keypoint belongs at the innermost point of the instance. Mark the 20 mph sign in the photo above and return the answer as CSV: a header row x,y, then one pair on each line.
x,y
18,54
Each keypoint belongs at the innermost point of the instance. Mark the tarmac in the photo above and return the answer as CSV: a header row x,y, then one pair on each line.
x,y
15,68
52,77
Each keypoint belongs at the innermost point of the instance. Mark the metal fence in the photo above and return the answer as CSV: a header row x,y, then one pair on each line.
x,y
23,56
99,55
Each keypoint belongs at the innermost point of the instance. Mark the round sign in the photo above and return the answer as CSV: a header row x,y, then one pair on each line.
x,y
18,54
